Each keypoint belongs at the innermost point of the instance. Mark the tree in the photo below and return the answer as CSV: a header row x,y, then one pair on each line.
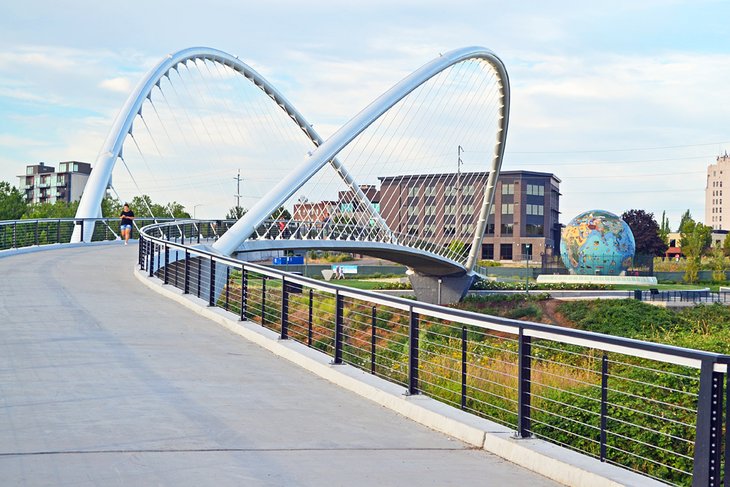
x,y
59,209
281,214
12,202
664,229
646,232
718,263
694,239
111,207
726,245
685,216
141,205
236,213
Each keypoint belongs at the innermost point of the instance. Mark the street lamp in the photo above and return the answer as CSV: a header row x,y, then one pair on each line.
x,y
528,248
194,208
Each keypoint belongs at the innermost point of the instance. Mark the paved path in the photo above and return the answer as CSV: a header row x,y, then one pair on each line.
x,y
105,383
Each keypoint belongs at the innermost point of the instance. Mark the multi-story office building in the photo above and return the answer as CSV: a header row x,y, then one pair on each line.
x,y
444,207
717,214
42,184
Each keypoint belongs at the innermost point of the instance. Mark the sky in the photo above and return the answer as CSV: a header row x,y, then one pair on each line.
x,y
626,102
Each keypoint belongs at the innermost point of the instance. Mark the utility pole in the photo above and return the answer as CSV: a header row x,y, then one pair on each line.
x,y
238,189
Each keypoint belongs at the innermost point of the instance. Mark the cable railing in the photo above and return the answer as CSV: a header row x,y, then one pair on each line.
x,y
16,234
656,409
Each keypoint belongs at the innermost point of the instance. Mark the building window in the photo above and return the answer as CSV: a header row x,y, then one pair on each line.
x,y
507,229
430,210
450,190
505,251
488,251
535,209
468,190
412,210
527,251
449,231
449,209
430,191
535,190
490,228
508,208
534,230
508,188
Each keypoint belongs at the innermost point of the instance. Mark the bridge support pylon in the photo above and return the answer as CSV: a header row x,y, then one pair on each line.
x,y
441,289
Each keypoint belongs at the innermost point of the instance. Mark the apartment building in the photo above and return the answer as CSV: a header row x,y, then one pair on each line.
x,y
42,184
444,207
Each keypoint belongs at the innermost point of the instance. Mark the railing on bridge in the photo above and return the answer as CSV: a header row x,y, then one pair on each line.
x,y
16,234
651,408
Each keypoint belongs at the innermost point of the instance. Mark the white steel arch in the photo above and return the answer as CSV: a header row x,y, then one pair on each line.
x,y
246,226
90,204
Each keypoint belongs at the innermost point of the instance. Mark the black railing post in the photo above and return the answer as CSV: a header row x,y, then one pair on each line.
x,y
413,333
140,253
186,276
244,292
284,309
706,471
309,318
58,232
152,258
339,308
177,268
167,264
727,430
199,265
228,278
604,405
263,300
182,235
211,285
373,337
463,367
36,232
524,382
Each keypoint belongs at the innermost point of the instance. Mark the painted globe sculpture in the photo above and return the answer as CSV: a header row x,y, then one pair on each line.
x,y
597,242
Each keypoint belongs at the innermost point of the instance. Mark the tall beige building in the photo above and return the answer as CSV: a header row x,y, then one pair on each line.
x,y
717,214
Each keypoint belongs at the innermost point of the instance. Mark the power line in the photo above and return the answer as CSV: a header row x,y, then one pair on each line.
x,y
618,150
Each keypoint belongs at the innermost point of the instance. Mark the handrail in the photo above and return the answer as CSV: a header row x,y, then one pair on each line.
x,y
622,344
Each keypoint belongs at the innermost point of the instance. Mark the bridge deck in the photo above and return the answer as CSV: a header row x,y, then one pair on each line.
x,y
105,383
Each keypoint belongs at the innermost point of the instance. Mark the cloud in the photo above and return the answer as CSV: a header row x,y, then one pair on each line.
x,y
119,85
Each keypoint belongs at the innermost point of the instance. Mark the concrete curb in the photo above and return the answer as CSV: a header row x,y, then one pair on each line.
x,y
552,461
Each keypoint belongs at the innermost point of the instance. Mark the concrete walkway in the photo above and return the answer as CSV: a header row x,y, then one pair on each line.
x,y
103,382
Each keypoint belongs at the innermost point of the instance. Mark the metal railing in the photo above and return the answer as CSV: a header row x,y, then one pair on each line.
x,y
15,234
655,409
693,296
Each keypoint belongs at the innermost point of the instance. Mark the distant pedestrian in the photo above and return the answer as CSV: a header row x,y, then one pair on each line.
x,y
340,272
126,226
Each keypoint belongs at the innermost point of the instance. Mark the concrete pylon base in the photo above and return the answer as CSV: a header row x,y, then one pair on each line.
x,y
441,289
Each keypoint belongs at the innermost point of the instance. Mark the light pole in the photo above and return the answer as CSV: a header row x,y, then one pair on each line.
x,y
194,208
528,248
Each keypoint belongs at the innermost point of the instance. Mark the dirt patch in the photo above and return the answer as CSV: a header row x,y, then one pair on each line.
x,y
551,315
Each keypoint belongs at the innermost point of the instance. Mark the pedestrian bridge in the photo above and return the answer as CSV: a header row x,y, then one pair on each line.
x,y
137,370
